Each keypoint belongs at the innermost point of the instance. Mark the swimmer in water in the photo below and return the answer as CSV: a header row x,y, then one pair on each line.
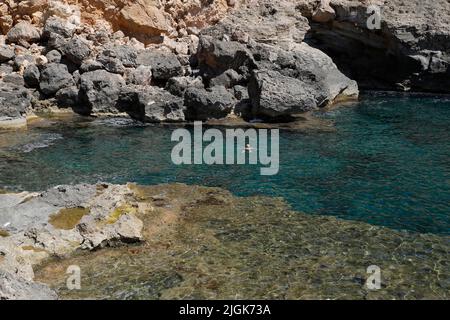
x,y
247,148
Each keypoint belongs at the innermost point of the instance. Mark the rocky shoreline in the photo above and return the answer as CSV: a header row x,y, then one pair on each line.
x,y
251,59
67,225
36,226
200,76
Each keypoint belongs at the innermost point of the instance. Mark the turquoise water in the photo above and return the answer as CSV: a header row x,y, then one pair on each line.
x,y
387,162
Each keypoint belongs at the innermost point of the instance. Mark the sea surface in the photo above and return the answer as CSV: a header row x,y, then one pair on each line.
x,y
386,162
306,233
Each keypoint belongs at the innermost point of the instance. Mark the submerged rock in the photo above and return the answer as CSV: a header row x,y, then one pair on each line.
x,y
210,231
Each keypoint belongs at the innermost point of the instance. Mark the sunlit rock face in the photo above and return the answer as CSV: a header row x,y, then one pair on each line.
x,y
145,20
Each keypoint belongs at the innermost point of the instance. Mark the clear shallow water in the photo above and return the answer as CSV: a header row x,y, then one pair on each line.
x,y
387,162
208,244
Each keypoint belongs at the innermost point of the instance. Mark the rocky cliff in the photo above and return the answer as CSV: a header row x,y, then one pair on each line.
x,y
175,61
410,51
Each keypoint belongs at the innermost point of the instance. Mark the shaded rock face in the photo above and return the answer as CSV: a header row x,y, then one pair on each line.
x,y
214,103
276,96
32,76
54,77
164,65
217,56
410,52
151,104
15,101
99,91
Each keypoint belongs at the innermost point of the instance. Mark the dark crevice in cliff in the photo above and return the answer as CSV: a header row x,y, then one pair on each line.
x,y
375,59
369,58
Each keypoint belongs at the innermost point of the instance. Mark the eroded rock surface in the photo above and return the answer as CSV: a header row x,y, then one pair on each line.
x,y
220,46
57,222
409,52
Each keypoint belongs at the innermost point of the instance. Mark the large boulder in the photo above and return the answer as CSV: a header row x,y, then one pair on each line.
x,y
54,76
56,25
151,104
213,103
142,75
77,50
23,31
217,56
274,95
32,76
68,97
6,53
296,80
15,101
127,55
178,85
108,59
165,65
99,91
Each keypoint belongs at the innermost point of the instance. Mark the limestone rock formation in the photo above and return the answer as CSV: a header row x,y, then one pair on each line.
x,y
56,223
408,52
86,54
13,288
